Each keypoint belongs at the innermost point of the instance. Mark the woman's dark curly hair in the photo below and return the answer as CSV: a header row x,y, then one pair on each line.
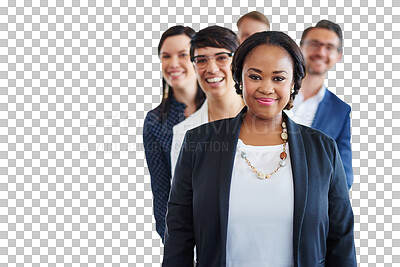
x,y
272,38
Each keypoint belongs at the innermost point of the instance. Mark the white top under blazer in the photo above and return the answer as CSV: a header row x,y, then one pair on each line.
x,y
196,119
260,218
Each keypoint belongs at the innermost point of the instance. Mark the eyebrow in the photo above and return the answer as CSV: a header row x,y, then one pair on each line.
x,y
220,53
275,72
280,71
254,69
181,51
314,40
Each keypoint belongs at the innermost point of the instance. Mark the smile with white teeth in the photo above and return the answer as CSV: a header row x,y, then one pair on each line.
x,y
175,74
214,80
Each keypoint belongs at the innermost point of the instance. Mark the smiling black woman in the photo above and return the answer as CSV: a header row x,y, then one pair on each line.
x,y
277,196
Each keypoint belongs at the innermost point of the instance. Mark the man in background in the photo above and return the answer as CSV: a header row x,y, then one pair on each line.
x,y
251,23
316,106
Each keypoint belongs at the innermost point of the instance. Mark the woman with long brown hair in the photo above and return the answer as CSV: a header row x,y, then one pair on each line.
x,y
181,97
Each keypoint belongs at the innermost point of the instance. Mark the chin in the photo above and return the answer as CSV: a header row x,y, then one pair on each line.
x,y
215,90
178,84
316,71
266,115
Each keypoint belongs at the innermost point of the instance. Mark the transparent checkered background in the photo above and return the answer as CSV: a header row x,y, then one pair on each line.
x,y
76,80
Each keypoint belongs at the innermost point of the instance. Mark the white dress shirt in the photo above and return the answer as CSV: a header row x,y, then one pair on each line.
x,y
196,119
303,111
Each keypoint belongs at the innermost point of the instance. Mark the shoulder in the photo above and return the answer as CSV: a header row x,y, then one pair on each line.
x,y
314,134
210,129
197,118
320,150
152,125
336,102
315,141
152,117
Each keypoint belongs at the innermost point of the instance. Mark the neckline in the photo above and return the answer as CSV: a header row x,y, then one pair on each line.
x,y
241,145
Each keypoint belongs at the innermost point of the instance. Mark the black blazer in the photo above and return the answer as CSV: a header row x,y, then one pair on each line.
x,y
198,206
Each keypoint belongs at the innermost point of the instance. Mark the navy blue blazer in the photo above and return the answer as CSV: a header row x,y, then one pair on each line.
x,y
333,118
199,200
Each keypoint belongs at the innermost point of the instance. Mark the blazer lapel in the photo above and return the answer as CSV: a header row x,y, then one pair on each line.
x,y
300,181
330,116
321,112
230,136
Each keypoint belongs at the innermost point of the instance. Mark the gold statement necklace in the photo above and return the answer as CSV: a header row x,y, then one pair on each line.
x,y
261,175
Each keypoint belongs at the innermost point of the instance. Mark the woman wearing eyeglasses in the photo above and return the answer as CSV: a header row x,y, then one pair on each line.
x,y
277,194
181,97
211,52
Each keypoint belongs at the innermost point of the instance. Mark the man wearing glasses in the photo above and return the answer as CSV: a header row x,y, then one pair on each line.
x,y
316,106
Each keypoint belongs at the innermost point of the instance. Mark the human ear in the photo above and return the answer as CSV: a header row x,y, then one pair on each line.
x,y
339,56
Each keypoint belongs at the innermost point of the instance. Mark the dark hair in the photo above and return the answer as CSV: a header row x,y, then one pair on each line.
x,y
272,38
167,92
329,25
214,36
255,15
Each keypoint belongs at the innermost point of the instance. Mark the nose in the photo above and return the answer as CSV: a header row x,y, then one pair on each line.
x,y
322,50
174,61
212,67
267,87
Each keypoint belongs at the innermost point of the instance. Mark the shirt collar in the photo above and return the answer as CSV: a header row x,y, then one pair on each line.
x,y
318,97
321,93
176,104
